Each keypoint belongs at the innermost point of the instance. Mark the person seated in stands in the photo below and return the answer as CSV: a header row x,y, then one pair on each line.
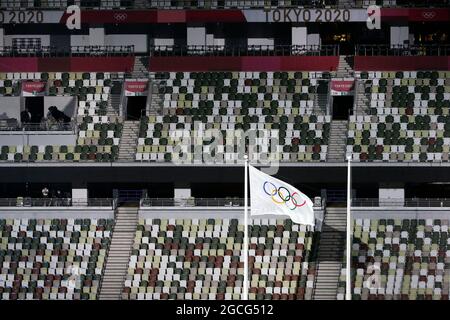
x,y
54,116
25,116
58,115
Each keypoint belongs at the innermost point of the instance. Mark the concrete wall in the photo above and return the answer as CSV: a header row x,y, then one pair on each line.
x,y
400,213
260,41
196,36
79,40
163,42
37,138
56,213
96,36
10,108
399,35
2,37
138,40
313,39
299,36
45,39
64,104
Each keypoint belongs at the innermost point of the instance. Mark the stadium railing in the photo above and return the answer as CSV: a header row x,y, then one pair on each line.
x,y
53,51
214,4
402,50
57,202
409,202
192,202
251,50
15,126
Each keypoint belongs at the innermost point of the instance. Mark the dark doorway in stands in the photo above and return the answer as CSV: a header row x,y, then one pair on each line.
x,y
342,107
136,107
35,106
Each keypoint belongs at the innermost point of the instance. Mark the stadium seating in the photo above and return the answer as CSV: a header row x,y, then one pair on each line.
x,y
229,101
98,133
202,259
397,259
409,118
8,84
57,259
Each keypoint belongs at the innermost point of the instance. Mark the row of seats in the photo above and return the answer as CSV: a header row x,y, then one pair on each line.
x,y
279,103
56,259
98,133
409,117
202,259
397,259
59,153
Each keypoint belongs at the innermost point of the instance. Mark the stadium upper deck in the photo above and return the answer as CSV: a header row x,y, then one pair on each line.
x,y
215,4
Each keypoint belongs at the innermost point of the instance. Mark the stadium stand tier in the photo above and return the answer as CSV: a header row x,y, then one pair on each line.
x,y
98,131
180,259
228,101
408,118
213,4
52,259
399,259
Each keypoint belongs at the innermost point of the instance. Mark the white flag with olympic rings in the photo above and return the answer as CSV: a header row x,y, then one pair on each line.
x,y
271,196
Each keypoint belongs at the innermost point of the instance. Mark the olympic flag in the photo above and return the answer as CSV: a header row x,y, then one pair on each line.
x,y
269,195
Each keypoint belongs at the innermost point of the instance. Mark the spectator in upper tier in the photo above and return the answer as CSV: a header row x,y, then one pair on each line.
x,y
57,115
25,116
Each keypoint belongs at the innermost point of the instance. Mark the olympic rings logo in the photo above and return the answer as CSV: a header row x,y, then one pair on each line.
x,y
428,14
120,16
282,195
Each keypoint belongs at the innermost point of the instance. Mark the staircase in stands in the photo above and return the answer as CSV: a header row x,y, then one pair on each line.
x,y
345,67
362,106
128,141
338,141
157,99
330,254
116,266
320,103
114,99
140,66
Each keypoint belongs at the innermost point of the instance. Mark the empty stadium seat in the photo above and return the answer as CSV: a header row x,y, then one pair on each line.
x,y
202,259
52,259
232,101
409,120
394,259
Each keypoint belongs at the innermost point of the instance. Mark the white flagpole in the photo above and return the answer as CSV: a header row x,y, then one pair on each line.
x,y
348,292
245,287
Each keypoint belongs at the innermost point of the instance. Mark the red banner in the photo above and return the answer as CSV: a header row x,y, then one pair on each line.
x,y
404,63
135,88
415,14
342,87
33,88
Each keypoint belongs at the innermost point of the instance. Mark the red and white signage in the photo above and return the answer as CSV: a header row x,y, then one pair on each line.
x,y
136,88
282,15
33,88
342,87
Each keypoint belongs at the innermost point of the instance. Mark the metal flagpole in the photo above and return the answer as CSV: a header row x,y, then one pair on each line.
x,y
246,229
348,285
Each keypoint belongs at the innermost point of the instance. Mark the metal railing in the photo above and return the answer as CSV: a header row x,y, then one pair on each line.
x,y
192,202
52,51
57,202
44,126
212,4
402,50
250,50
410,202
